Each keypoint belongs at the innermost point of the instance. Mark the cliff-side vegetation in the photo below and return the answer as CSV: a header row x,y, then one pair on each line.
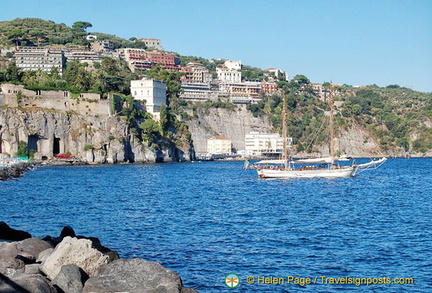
x,y
399,118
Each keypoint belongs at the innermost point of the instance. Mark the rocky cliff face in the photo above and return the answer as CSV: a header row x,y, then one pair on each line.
x,y
233,124
93,139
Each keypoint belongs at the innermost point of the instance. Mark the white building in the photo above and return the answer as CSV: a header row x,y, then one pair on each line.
x,y
219,145
224,74
153,92
257,143
233,65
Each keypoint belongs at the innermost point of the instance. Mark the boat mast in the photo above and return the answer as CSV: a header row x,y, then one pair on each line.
x,y
331,102
284,131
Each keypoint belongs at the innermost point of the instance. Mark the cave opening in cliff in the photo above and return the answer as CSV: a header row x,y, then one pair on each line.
x,y
56,146
32,143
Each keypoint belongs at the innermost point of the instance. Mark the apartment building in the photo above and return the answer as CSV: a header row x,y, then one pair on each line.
x,y
226,75
40,58
195,73
219,145
142,59
257,143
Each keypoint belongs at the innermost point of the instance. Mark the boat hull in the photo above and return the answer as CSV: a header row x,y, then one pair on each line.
x,y
317,173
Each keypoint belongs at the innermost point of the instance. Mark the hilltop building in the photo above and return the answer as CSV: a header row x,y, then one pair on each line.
x,y
278,73
142,59
233,65
195,73
224,74
43,58
152,43
153,92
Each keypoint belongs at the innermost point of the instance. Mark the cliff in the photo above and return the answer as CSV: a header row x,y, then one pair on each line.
x,y
51,132
233,124
85,126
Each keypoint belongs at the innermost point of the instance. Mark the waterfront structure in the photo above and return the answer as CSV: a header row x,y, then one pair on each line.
x,y
219,145
40,58
153,92
257,143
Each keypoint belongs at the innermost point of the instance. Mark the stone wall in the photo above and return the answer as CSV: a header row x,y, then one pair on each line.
x,y
84,104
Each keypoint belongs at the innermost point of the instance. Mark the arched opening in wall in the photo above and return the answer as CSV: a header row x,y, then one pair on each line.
x,y
32,143
56,146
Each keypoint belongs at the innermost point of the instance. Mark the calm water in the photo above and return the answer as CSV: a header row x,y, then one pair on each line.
x,y
207,220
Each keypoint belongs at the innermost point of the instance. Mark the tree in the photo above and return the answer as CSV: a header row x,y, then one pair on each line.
x,y
81,26
16,35
39,35
13,73
302,79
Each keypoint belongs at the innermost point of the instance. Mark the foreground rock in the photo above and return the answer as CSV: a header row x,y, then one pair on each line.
x,y
134,275
78,264
7,233
74,251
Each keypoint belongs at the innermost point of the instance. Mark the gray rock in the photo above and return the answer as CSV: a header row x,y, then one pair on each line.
x,y
73,251
32,269
30,248
23,283
8,261
134,275
71,279
43,255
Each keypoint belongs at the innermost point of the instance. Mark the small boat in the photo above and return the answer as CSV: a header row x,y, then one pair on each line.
x,y
310,168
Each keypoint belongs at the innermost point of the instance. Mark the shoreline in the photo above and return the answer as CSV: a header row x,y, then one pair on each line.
x,y
75,263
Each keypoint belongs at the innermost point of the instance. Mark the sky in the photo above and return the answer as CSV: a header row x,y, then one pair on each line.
x,y
354,42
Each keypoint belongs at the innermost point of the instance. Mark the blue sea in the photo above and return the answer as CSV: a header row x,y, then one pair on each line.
x,y
206,220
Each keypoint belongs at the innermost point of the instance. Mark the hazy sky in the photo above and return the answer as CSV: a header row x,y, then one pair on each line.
x,y
356,42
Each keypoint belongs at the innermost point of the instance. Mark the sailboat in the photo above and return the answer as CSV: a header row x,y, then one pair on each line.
x,y
327,167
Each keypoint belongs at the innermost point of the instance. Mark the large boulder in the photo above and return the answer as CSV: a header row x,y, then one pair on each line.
x,y
134,275
71,279
7,233
8,261
24,283
31,247
74,251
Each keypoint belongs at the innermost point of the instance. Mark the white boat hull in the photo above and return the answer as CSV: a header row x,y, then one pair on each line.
x,y
316,173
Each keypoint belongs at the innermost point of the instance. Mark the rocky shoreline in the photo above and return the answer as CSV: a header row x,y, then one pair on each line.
x,y
15,171
71,263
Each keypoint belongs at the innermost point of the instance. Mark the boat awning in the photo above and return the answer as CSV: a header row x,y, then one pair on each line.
x,y
271,162
314,161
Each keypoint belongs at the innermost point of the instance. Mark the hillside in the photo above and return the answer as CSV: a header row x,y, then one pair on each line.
x,y
391,120
34,31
